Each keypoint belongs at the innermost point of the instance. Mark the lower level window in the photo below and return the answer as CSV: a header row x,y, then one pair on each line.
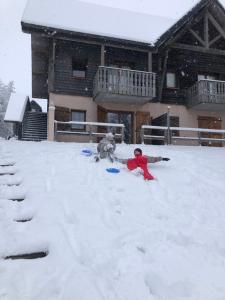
x,y
78,116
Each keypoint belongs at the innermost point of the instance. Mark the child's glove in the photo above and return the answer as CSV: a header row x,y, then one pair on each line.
x,y
166,159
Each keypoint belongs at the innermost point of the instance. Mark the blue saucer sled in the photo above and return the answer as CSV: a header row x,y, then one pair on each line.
x,y
113,170
87,152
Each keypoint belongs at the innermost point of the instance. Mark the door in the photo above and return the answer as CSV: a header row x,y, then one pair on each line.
x,y
126,118
210,123
142,118
102,118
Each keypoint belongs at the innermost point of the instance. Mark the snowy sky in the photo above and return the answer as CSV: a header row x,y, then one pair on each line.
x,y
15,56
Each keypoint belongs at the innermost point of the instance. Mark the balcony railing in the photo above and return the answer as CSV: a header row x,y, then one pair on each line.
x,y
114,84
206,92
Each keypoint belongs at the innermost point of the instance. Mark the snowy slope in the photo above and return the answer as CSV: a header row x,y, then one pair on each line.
x,y
113,237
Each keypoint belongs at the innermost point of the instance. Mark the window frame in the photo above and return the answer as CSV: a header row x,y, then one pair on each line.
x,y
73,128
79,61
175,79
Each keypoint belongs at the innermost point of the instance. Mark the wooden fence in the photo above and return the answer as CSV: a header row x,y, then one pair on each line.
x,y
168,138
90,129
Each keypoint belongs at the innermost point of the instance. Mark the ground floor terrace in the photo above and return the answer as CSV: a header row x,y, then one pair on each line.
x,y
67,108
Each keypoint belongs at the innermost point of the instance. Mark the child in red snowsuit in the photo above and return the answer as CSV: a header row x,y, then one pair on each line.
x,y
141,161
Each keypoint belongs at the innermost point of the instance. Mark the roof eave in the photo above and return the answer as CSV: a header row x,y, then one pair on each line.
x,y
51,32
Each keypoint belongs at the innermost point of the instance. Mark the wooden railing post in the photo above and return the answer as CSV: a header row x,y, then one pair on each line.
x,y
90,134
199,138
122,134
142,136
55,129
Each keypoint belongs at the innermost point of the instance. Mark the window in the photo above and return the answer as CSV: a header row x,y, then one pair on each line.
x,y
79,68
78,116
171,80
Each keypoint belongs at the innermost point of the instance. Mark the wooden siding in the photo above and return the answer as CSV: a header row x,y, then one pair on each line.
x,y
64,81
187,65
40,57
66,51
123,57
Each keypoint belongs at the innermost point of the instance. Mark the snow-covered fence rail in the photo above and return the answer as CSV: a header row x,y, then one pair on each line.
x,y
89,129
166,134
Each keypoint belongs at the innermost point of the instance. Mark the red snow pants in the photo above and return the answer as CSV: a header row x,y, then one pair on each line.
x,y
140,162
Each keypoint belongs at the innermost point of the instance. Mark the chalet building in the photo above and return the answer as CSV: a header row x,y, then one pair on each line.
x,y
102,64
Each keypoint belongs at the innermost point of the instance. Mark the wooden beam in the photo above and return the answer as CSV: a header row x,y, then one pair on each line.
x,y
216,25
215,40
149,61
206,30
51,66
188,26
163,75
197,37
198,49
102,55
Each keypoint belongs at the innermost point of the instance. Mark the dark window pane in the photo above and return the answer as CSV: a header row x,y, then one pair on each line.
x,y
78,116
79,68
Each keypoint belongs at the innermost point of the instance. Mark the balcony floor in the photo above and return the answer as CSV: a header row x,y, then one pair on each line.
x,y
209,107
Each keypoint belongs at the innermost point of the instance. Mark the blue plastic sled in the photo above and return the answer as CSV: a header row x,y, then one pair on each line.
x,y
87,152
113,170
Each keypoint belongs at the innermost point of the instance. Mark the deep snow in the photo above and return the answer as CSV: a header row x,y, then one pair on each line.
x,y
113,237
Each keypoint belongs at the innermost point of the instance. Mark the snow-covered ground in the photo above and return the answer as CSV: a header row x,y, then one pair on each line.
x,y
112,236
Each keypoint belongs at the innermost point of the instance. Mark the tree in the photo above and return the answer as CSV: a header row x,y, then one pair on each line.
x,y
6,129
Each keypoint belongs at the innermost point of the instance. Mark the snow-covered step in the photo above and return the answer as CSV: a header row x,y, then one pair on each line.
x,y
12,193
33,255
9,180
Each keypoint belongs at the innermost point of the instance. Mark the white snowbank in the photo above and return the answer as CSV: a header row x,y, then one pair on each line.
x,y
83,17
16,107
114,236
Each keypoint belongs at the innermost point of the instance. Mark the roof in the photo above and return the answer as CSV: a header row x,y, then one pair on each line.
x,y
16,107
186,18
89,18
92,19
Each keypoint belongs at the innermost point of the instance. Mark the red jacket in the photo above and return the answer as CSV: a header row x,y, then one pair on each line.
x,y
140,162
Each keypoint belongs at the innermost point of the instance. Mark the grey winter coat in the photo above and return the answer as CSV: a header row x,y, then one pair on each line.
x,y
106,146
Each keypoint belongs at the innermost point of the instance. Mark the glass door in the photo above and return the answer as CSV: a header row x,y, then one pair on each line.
x,y
125,118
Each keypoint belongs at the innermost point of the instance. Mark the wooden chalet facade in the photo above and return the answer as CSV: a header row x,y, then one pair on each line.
x,y
89,77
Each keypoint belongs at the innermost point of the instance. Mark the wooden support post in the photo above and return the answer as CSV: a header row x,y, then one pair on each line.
x,y
102,55
206,30
163,75
51,67
149,61
168,127
51,121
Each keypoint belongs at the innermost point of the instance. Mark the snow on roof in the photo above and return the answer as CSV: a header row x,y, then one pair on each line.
x,y
16,108
89,18
43,103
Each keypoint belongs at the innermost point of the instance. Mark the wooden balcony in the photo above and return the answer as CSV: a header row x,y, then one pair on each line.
x,y
123,86
207,95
